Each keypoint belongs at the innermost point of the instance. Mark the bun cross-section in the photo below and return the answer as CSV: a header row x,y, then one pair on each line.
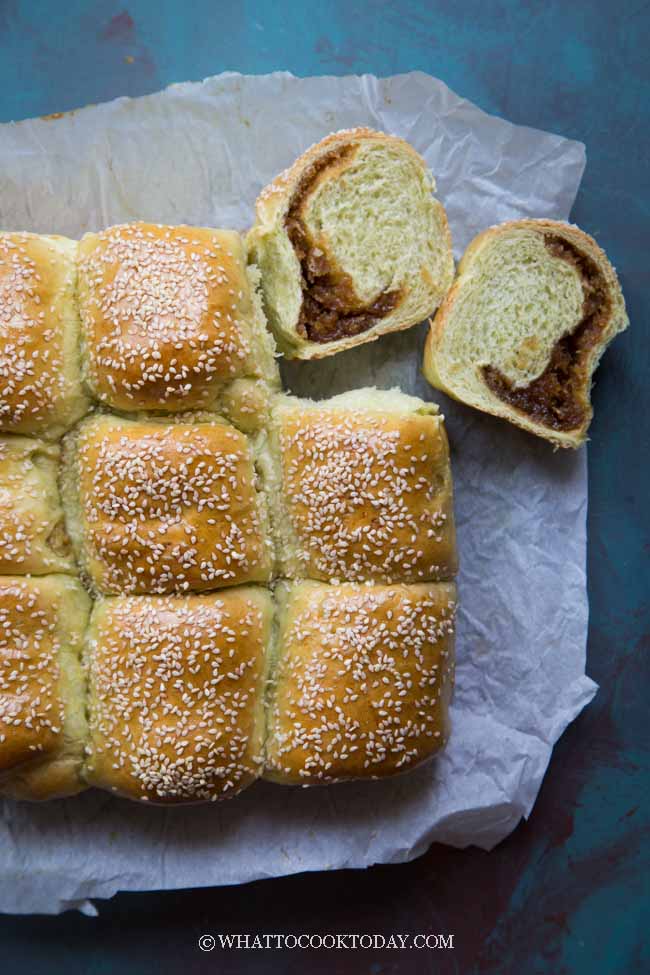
x,y
351,244
534,306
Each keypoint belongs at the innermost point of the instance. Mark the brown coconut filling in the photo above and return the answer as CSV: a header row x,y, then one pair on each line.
x,y
330,307
556,397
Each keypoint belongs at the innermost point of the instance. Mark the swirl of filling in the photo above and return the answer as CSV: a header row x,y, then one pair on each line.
x,y
555,397
330,307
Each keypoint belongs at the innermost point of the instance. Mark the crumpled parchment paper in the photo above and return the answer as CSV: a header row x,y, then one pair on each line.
x,y
199,154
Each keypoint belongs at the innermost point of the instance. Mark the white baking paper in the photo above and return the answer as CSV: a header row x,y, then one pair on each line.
x,y
199,154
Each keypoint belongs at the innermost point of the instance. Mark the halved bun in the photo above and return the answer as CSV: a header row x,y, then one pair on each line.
x,y
350,243
519,335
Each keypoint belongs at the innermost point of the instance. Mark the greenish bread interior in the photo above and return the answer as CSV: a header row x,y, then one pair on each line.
x,y
381,225
516,301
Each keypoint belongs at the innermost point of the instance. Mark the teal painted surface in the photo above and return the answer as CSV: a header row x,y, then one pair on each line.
x,y
569,891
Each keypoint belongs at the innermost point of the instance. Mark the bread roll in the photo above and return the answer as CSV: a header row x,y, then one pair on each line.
x,y
42,705
40,377
362,682
33,538
350,243
169,317
522,330
176,694
189,695
158,507
362,488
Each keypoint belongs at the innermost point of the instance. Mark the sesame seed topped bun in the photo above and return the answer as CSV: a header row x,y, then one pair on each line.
x,y
363,680
42,695
176,687
365,488
33,538
157,507
40,375
169,316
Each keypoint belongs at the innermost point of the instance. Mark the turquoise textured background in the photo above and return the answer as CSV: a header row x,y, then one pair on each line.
x,y
569,891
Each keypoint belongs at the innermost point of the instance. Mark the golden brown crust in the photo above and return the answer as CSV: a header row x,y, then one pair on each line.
x,y
167,315
615,321
40,377
169,507
31,717
368,495
176,694
52,778
41,720
33,538
363,681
